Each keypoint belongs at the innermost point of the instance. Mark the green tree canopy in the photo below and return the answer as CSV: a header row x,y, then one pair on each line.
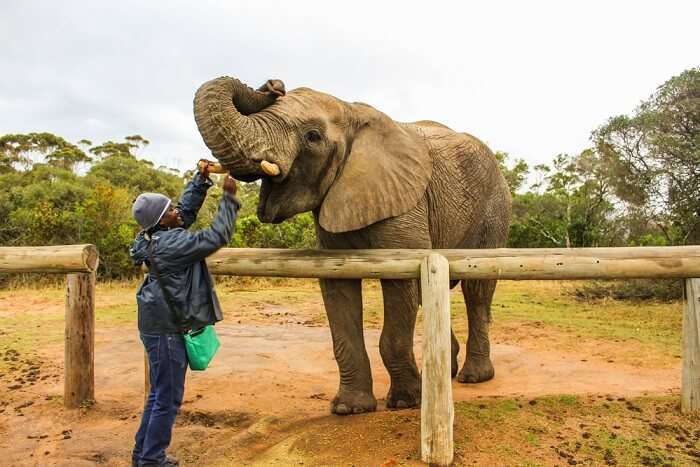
x,y
18,148
515,175
137,176
654,155
123,149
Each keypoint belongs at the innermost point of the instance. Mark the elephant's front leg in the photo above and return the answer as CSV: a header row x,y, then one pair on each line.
x,y
396,343
343,300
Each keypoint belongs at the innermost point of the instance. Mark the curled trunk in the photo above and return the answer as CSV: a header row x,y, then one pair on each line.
x,y
221,109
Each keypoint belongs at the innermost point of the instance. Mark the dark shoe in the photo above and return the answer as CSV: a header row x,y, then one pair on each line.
x,y
168,462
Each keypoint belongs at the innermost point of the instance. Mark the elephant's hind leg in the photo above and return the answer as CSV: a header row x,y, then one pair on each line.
x,y
343,301
454,343
454,347
477,366
396,342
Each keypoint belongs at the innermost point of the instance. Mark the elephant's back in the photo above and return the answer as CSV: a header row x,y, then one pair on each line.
x,y
468,197
464,152
428,124
449,143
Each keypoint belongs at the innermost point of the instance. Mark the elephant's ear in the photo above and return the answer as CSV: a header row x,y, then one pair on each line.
x,y
385,174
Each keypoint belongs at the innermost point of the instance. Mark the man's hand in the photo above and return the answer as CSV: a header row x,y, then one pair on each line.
x,y
230,185
203,166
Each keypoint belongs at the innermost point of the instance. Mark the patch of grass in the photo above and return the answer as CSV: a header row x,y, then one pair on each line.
x,y
647,329
488,414
116,315
564,399
647,322
26,336
564,429
532,438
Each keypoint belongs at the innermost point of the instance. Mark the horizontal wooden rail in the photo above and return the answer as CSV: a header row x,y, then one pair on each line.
x,y
50,259
502,263
576,263
330,264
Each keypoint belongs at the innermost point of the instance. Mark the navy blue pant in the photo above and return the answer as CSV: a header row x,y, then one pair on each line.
x,y
167,359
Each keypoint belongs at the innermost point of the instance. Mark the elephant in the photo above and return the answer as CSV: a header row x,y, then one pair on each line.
x,y
370,182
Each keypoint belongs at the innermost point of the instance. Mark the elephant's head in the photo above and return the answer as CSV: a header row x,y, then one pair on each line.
x,y
349,163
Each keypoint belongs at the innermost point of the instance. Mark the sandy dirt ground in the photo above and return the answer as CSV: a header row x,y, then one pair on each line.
x,y
266,382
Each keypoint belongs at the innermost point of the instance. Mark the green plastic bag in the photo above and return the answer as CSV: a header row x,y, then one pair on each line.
x,y
201,346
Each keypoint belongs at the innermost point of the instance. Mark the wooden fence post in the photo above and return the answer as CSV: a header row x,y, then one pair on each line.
x,y
79,371
690,383
437,410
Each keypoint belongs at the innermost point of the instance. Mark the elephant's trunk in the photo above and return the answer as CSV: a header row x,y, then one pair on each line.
x,y
221,109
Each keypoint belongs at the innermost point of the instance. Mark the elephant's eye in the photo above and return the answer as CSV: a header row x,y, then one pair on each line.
x,y
313,136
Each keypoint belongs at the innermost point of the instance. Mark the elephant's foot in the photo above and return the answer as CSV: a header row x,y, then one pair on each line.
x,y
476,370
404,396
348,402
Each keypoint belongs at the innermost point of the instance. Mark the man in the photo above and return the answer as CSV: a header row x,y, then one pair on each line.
x,y
179,261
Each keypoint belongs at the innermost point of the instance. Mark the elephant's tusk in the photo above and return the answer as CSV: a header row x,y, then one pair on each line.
x,y
270,168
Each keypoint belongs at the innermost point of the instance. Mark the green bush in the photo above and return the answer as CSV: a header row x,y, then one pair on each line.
x,y
665,290
297,232
53,203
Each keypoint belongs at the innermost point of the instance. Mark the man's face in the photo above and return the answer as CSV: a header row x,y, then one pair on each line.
x,y
171,218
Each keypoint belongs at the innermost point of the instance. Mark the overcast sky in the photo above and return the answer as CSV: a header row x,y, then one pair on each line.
x,y
529,78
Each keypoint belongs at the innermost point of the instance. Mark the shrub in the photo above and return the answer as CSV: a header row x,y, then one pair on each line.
x,y
665,290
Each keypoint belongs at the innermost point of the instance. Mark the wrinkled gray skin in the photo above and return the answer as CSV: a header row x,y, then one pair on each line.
x,y
370,183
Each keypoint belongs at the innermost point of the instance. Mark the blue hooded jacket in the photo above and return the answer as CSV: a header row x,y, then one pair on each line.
x,y
179,256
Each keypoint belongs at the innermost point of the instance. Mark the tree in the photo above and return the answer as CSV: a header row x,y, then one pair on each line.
x,y
654,156
125,149
137,176
49,202
16,149
571,207
515,175
41,205
105,220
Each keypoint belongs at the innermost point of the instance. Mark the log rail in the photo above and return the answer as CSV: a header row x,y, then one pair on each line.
x,y
503,263
49,259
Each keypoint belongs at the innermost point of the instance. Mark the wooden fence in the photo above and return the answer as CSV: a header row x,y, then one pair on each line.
x,y
79,263
434,268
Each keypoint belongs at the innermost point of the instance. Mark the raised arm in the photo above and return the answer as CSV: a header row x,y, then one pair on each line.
x,y
188,248
193,198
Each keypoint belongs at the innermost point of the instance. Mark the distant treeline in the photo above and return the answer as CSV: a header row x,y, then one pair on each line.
x,y
82,193
638,184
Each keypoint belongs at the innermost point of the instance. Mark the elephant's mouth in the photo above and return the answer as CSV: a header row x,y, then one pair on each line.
x,y
268,212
